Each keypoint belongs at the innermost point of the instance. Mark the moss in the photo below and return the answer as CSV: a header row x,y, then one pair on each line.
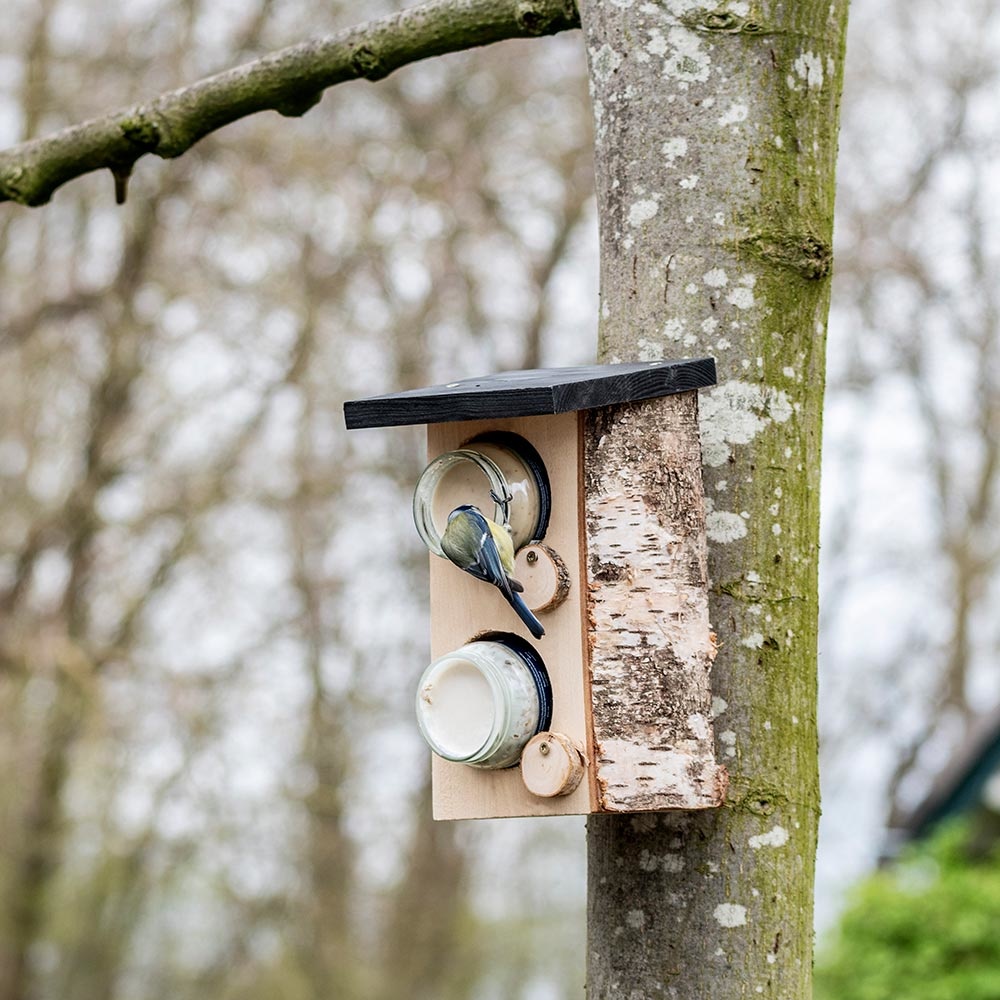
x,y
761,800
804,253
771,175
140,131
366,63
732,588
297,105
289,81
539,18
10,183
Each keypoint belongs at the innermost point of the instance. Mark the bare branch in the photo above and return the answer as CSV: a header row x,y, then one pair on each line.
x,y
289,81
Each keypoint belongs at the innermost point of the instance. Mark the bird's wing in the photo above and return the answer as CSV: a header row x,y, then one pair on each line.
x,y
489,565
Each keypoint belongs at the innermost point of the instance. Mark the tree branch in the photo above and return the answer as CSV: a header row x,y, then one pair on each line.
x,y
289,81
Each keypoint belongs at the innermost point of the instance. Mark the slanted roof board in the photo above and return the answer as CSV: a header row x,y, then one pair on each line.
x,y
532,392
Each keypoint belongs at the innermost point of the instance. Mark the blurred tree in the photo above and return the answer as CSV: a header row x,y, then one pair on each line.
x,y
198,664
912,550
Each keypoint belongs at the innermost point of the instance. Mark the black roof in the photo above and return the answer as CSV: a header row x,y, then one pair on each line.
x,y
532,392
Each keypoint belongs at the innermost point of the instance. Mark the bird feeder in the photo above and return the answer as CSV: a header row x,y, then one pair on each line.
x,y
610,710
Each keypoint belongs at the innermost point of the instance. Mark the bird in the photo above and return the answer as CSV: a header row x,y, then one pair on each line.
x,y
485,550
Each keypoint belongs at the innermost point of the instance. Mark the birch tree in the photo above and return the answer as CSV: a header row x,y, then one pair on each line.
x,y
715,149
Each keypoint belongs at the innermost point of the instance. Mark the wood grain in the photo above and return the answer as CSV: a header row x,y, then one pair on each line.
x,y
544,575
552,765
462,607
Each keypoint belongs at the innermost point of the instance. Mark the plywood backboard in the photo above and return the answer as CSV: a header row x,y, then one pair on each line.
x,y
462,608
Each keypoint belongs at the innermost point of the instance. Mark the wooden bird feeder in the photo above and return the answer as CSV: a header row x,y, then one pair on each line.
x,y
613,560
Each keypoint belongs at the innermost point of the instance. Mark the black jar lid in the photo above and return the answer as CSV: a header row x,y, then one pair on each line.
x,y
536,667
536,468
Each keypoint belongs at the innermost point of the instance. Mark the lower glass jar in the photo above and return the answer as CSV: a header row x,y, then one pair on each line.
x,y
480,704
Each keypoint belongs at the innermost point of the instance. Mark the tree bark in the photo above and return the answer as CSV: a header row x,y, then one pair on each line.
x,y
716,146
652,646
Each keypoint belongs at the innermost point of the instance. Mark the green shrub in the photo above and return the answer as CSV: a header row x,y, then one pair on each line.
x,y
926,929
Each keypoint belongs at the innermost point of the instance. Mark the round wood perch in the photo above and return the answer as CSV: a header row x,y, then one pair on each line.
x,y
544,575
551,765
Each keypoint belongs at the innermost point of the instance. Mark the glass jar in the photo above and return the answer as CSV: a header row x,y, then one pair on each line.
x,y
501,474
480,704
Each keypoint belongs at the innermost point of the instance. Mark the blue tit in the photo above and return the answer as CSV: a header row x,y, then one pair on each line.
x,y
484,549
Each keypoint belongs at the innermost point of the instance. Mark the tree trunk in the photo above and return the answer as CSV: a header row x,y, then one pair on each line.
x,y
716,146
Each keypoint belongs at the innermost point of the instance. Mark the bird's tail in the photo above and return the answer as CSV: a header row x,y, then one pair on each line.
x,y
524,613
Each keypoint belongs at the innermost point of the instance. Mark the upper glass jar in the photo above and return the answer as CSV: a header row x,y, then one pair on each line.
x,y
499,473
480,704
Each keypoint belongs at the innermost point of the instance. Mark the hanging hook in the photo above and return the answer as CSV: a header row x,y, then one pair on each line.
x,y
503,504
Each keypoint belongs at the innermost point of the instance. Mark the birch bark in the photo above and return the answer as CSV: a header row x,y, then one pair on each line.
x,y
716,143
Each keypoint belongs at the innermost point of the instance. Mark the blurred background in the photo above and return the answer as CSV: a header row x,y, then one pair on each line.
x,y
210,782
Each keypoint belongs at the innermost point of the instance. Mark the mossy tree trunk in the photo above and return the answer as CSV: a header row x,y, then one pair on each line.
x,y
716,145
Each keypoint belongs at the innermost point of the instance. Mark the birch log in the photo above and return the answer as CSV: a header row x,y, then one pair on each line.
x,y
651,643
715,148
